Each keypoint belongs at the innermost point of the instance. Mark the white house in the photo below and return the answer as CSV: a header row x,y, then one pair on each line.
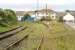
x,y
68,17
19,18
38,16
53,16
34,16
42,14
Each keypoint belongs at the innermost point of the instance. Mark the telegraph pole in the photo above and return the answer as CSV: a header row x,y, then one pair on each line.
x,y
46,10
37,8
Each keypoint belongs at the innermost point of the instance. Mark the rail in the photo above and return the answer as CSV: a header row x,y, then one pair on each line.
x,y
7,34
8,42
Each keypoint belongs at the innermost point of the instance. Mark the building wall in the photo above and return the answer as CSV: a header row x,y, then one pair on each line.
x,y
19,18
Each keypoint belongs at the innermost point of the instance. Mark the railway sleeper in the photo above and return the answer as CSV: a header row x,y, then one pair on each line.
x,y
10,30
11,33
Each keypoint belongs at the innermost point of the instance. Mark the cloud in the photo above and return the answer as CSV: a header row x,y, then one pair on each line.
x,y
17,1
60,2
32,4
54,2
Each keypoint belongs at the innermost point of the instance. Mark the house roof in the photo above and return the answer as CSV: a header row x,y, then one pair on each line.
x,y
61,14
20,13
44,11
72,13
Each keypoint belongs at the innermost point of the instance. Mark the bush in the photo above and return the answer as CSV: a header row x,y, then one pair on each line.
x,y
26,16
7,16
60,19
48,18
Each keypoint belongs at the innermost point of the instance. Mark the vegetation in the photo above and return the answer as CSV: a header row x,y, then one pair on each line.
x,y
11,16
47,18
26,16
58,37
61,37
60,19
7,17
9,27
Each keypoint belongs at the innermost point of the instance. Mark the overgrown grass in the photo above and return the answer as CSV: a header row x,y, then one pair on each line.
x,y
8,27
34,39
61,37
58,37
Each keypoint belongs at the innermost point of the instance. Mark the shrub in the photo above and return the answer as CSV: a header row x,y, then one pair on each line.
x,y
60,19
26,16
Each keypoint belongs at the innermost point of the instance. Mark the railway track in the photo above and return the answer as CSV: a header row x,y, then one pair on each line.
x,y
40,44
27,42
9,38
11,32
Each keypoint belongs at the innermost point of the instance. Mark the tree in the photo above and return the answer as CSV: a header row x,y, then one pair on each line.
x,y
2,14
67,10
7,16
26,16
60,19
11,14
2,17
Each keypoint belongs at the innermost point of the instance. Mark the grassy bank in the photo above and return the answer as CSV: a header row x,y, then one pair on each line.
x,y
8,27
14,25
34,39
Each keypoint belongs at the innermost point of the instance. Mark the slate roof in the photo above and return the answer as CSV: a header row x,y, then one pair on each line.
x,y
20,13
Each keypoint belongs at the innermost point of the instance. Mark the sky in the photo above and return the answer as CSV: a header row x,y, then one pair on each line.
x,y
28,5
